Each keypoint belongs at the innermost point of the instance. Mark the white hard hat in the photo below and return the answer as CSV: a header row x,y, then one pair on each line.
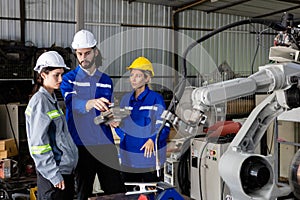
x,y
49,59
83,39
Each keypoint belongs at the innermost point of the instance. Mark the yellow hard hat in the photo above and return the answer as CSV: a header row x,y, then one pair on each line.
x,y
141,63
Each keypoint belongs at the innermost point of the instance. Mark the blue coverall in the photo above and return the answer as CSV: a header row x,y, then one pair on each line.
x,y
97,152
142,124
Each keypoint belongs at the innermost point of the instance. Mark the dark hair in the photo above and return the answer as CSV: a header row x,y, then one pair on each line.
x,y
39,81
99,58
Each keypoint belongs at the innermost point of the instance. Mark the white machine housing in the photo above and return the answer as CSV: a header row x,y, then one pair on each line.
x,y
205,157
170,172
233,166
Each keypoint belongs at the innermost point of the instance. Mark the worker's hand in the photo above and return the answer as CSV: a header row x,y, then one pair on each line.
x,y
60,185
99,104
149,148
114,124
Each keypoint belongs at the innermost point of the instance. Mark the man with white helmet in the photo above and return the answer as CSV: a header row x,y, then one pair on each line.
x,y
54,153
88,92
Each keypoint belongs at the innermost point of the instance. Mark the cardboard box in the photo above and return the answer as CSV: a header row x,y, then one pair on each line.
x,y
5,168
10,146
3,154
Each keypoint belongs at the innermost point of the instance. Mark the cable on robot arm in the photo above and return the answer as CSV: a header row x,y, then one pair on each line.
x,y
181,86
179,89
270,23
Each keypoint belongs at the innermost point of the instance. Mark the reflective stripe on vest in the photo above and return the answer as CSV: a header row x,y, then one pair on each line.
x,y
148,108
41,149
53,114
102,85
28,111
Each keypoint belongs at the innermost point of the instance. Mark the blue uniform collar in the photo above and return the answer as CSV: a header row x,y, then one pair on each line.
x,y
82,74
141,96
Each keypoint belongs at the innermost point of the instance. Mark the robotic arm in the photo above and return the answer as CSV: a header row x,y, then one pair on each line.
x,y
269,78
249,175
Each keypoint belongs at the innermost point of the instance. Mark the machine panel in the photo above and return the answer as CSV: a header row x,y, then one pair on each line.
x,y
204,163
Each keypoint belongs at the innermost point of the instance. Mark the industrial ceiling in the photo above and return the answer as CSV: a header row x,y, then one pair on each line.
x,y
268,9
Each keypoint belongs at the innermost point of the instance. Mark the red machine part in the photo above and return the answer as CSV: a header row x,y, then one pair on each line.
x,y
223,128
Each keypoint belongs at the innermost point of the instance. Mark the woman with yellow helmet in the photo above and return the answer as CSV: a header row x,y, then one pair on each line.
x,y
138,130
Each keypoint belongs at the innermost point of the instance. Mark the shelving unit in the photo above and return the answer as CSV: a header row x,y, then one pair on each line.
x,y
12,124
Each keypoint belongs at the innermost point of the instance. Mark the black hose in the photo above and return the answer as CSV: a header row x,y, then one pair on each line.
x,y
270,23
181,86
183,173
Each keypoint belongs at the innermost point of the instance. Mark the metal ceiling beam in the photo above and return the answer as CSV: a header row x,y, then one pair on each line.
x,y
189,5
226,6
278,11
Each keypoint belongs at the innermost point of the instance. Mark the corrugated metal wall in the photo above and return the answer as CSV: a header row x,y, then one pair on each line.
x,y
9,29
55,25
47,21
237,46
127,30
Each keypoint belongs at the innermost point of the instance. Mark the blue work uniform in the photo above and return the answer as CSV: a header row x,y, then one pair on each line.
x,y
142,124
77,88
97,151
